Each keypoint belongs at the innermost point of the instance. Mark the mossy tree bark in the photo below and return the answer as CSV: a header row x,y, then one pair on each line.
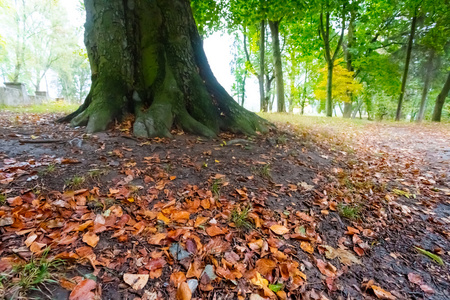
x,y
440,101
147,58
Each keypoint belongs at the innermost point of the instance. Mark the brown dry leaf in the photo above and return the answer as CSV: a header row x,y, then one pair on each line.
x,y
156,239
15,201
307,247
215,230
30,239
382,294
326,269
427,289
82,291
67,284
415,278
177,277
184,292
344,256
180,216
279,229
194,270
163,218
91,239
359,251
200,221
136,281
36,247
352,231
265,266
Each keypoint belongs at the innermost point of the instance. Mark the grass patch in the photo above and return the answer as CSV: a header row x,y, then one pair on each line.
x,y
30,276
75,182
2,199
50,169
216,187
241,219
48,107
349,211
263,171
95,174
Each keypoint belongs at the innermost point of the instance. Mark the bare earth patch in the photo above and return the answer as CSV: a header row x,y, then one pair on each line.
x,y
314,211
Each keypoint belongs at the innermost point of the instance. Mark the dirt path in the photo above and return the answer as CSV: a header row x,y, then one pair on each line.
x,y
233,218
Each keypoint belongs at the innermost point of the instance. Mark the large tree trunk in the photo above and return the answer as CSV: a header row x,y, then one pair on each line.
x,y
405,72
262,52
426,87
440,100
147,58
278,65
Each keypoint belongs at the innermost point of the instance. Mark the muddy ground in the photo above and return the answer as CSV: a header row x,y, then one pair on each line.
x,y
396,177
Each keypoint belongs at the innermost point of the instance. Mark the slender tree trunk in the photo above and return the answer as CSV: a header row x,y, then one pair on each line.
x,y
147,58
426,87
405,72
262,66
440,100
304,91
350,41
278,65
329,105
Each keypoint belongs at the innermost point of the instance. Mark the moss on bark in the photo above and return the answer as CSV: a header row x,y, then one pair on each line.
x,y
147,58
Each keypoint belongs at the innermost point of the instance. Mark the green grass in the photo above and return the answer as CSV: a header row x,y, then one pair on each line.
x,y
216,186
50,169
349,211
240,218
95,174
75,182
31,275
2,199
49,107
263,171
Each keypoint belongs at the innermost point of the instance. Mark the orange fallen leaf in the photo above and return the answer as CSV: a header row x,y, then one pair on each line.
x,y
200,221
382,294
307,247
163,218
352,231
136,281
326,269
184,292
279,229
156,239
82,291
67,284
265,266
177,278
91,239
180,216
215,230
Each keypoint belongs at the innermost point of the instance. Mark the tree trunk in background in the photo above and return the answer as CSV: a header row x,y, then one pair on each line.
x,y
426,87
329,106
405,72
440,100
262,51
348,55
278,65
147,58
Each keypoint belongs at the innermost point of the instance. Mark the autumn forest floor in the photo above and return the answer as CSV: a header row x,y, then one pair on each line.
x,y
320,209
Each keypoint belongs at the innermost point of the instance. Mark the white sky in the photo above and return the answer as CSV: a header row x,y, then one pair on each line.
x,y
218,51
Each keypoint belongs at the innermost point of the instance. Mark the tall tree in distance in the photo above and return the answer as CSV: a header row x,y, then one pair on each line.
x,y
151,63
326,32
440,100
407,60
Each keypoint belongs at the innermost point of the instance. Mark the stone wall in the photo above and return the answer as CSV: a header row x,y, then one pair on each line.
x,y
15,94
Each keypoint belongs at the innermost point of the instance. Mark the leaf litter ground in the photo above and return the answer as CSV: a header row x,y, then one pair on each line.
x,y
307,212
